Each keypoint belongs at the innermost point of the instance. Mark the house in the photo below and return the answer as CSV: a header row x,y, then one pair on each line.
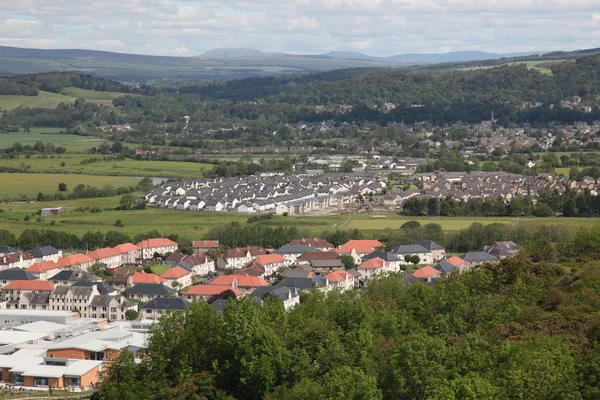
x,y
177,277
6,250
103,287
158,245
112,307
142,277
72,298
445,267
13,290
46,212
460,264
203,246
267,264
244,283
340,280
292,253
68,277
394,261
502,250
325,266
149,291
76,261
198,264
205,292
305,284
107,256
16,274
426,274
297,273
237,258
129,253
358,248
30,301
425,255
18,259
309,257
158,307
319,244
478,257
44,269
174,259
372,267
290,297
437,251
45,253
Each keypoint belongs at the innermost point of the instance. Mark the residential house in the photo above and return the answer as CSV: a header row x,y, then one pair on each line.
x,y
425,255
177,277
31,301
107,256
13,290
142,277
112,307
237,258
174,259
68,277
203,246
129,253
15,274
478,257
290,297
437,251
319,244
45,253
305,284
72,298
16,260
159,245
460,264
341,280
148,291
372,267
394,262
76,261
158,307
266,265
292,253
205,292
358,248
445,267
6,250
426,274
44,270
246,284
198,264
502,250
103,287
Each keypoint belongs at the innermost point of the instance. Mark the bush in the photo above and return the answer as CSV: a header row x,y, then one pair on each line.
x,y
119,223
62,187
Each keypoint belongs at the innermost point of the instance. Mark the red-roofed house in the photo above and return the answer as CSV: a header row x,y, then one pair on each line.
x,y
237,258
202,246
44,270
201,264
321,244
427,273
16,260
15,289
129,252
158,245
205,292
242,282
141,277
106,255
269,264
177,274
373,267
358,248
459,263
76,261
340,280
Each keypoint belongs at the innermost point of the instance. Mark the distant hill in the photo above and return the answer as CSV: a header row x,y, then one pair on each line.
x,y
233,53
454,56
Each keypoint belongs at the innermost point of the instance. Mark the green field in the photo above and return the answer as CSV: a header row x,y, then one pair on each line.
x,y
92,96
17,186
127,167
73,143
160,269
42,100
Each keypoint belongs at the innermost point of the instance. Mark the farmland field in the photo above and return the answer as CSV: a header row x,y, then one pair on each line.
x,y
128,167
15,186
42,100
73,143
92,96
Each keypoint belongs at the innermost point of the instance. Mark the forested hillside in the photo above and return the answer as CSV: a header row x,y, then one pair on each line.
x,y
517,330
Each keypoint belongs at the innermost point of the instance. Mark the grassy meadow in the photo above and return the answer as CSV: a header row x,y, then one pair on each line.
x,y
92,96
72,143
42,100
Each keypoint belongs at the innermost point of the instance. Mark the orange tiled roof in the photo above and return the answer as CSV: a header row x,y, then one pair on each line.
x,y
269,259
175,273
126,248
43,266
206,244
157,242
426,272
243,281
30,285
74,259
318,255
361,246
198,259
338,276
373,263
102,253
456,261
139,277
210,290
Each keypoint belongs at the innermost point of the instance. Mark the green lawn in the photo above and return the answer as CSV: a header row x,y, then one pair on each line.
x,y
17,186
42,100
92,96
73,143
159,269
128,167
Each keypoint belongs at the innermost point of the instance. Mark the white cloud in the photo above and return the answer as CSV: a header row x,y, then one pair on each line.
x,y
378,27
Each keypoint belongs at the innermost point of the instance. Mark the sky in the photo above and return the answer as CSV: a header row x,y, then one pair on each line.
x,y
374,27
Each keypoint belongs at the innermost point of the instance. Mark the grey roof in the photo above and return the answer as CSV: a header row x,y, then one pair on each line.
x,y
41,251
7,249
429,245
150,288
384,255
298,283
103,287
219,305
295,249
38,298
17,274
327,263
77,291
280,292
166,303
104,301
445,267
479,256
410,249
74,276
295,273
354,272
